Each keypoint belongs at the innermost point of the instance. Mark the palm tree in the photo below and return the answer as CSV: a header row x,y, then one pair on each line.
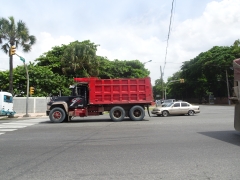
x,y
14,35
80,59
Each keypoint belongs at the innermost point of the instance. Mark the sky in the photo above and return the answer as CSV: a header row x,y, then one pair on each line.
x,y
128,29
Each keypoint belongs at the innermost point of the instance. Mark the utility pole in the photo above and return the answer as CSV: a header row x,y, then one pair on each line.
x,y
161,73
229,102
13,52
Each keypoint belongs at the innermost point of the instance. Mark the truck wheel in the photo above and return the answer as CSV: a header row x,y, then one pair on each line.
x,y
136,113
117,113
57,115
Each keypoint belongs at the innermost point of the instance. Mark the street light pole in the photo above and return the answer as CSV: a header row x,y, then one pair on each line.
x,y
229,102
147,61
26,115
23,60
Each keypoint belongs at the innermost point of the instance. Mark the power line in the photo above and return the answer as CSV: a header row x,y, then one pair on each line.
x,y
169,31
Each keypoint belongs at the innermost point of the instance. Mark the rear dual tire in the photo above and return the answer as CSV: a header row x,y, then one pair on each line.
x,y
136,113
117,113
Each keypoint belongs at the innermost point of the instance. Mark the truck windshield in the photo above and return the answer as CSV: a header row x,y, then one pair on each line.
x,y
8,99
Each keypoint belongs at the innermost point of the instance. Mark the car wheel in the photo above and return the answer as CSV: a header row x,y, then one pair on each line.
x,y
165,113
190,112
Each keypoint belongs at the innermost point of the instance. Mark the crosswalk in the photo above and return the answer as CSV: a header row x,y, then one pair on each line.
x,y
13,126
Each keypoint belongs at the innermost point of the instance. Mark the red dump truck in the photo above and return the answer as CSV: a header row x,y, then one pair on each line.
x,y
126,97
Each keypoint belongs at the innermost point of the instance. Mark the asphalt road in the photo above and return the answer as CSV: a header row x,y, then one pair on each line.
x,y
204,146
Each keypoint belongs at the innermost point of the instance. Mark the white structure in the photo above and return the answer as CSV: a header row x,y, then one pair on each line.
x,y
6,104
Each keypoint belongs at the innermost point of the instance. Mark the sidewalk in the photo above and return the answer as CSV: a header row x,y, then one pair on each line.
x,y
22,115
31,115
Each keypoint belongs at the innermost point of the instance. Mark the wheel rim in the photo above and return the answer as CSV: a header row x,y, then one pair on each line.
x,y
137,113
164,113
191,113
117,114
57,115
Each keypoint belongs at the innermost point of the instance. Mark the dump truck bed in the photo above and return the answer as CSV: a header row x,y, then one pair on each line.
x,y
118,91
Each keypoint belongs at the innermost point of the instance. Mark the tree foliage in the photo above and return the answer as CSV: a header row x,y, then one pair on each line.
x,y
206,73
79,59
53,72
14,34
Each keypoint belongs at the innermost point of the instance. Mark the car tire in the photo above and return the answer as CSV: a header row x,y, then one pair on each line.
x,y
191,113
165,113
117,113
57,115
136,113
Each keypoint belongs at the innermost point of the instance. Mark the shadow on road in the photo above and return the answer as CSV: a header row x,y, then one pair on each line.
x,y
232,137
93,120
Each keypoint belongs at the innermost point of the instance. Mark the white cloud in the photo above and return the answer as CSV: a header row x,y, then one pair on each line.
x,y
218,25
142,35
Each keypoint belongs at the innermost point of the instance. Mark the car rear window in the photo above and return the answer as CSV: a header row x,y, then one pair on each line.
x,y
176,105
184,104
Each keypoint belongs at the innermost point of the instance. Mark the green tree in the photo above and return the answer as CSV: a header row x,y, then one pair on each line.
x,y
42,79
52,59
15,34
207,73
79,59
127,69
158,89
236,48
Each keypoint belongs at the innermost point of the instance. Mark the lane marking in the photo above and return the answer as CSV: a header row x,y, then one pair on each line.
x,y
11,126
8,129
15,125
25,124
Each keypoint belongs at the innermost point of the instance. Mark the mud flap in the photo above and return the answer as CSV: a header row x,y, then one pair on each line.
x,y
237,117
148,110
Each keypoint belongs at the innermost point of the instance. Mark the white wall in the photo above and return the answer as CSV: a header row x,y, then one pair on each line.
x,y
35,104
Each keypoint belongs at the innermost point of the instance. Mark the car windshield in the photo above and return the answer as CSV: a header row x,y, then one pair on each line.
x,y
170,104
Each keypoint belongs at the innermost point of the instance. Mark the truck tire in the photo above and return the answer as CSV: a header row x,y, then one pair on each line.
x,y
57,115
136,113
117,113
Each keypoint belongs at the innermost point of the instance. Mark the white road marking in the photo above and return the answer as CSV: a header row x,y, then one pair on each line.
x,y
25,124
11,126
8,129
15,125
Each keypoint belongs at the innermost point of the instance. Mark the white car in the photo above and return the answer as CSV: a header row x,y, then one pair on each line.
x,y
176,108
